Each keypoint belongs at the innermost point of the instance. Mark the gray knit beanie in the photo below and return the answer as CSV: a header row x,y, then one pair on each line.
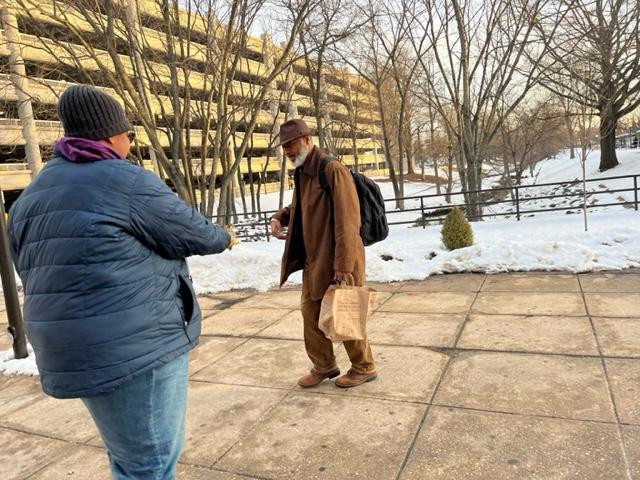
x,y
87,112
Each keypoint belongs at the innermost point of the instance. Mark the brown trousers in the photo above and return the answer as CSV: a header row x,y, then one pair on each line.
x,y
320,349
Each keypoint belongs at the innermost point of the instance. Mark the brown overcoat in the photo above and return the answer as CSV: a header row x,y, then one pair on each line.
x,y
316,242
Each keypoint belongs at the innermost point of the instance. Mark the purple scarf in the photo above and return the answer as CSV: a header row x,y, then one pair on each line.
x,y
84,150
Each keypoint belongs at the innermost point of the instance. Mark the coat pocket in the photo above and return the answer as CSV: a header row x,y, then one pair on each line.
x,y
187,297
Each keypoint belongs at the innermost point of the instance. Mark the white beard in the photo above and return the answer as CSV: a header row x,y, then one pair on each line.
x,y
301,156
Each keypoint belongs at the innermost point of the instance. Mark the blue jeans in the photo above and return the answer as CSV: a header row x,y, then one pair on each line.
x,y
142,422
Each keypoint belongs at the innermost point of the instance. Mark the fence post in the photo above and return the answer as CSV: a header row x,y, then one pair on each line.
x,y
424,220
517,203
635,190
11,300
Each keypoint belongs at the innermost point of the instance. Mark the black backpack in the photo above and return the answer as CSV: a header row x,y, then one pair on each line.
x,y
373,220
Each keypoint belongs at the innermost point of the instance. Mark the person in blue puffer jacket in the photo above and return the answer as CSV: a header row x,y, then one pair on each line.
x,y
100,245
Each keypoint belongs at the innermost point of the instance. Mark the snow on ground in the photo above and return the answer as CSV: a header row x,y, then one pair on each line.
x,y
557,169
563,169
25,366
546,243
541,241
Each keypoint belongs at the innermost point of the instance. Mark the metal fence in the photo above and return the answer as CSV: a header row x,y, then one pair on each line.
x,y
257,225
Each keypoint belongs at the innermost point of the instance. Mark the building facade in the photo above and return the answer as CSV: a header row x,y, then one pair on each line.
x,y
54,59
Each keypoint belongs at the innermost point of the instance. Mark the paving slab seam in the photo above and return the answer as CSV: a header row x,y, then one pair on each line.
x,y
395,290
393,294
523,415
43,435
530,291
454,350
69,448
450,359
268,387
253,307
247,338
195,372
262,417
464,322
276,320
629,424
608,382
338,394
437,290
254,336
480,312
222,470
269,337
622,357
288,311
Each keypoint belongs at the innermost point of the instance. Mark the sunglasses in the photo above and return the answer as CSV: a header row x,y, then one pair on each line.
x,y
131,136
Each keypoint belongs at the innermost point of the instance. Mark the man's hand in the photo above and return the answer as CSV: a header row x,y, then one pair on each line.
x,y
341,277
276,230
233,240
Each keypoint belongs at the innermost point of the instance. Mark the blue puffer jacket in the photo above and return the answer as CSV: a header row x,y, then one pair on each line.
x,y
100,249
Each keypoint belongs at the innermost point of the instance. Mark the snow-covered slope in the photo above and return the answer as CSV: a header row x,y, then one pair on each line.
x,y
600,191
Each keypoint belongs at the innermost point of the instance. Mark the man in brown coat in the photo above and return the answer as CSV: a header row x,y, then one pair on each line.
x,y
325,244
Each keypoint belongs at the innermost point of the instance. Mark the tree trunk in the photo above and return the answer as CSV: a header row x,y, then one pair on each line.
x,y
176,135
507,178
410,153
607,140
251,187
472,197
450,179
242,196
567,125
19,79
354,144
387,148
401,149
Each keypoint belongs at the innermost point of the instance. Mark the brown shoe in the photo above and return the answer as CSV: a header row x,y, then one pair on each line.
x,y
353,379
314,377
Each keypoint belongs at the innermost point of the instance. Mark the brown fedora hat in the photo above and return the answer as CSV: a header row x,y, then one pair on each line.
x,y
292,129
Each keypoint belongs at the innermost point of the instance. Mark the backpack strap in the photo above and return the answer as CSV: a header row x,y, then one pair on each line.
x,y
322,176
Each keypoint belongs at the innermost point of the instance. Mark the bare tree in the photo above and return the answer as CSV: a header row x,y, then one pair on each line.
x,y
598,45
394,34
479,64
332,22
19,80
530,134
368,53
181,80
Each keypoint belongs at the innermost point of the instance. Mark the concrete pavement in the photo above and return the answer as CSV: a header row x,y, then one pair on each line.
x,y
509,376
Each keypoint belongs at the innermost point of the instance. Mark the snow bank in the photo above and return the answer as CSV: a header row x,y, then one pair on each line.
x,y
25,366
545,243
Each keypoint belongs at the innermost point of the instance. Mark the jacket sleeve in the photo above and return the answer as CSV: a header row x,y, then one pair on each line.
x,y
283,215
346,215
165,224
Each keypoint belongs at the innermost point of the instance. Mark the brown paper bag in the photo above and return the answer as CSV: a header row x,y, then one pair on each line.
x,y
344,312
